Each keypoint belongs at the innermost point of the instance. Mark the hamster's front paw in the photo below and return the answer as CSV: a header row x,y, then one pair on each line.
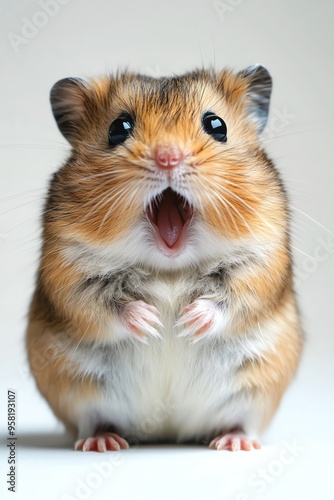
x,y
200,319
102,442
141,319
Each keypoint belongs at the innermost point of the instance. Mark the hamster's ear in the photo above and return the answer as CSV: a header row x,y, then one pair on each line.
x,y
70,98
259,85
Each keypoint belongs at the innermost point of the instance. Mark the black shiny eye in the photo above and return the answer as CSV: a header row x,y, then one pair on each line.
x,y
214,126
120,129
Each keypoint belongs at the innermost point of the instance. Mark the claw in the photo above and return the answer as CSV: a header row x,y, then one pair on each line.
x,y
199,319
234,441
141,319
106,441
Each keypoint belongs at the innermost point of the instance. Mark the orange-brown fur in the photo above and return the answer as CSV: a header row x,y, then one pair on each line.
x,y
56,379
269,376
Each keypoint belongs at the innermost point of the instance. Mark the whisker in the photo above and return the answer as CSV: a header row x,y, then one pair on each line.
x,y
128,189
303,253
107,197
79,342
219,188
33,146
313,220
110,174
23,194
19,206
224,202
247,206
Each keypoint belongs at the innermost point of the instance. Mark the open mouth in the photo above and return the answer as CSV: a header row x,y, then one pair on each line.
x,y
170,214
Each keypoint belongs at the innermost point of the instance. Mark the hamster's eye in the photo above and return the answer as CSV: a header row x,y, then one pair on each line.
x,y
214,126
120,129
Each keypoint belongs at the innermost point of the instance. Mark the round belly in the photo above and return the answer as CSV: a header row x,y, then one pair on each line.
x,y
168,390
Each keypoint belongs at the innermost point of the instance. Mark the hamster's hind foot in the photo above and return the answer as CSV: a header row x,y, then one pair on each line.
x,y
234,441
105,441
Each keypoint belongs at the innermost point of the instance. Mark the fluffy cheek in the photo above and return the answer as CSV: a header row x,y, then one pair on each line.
x,y
201,319
225,219
101,225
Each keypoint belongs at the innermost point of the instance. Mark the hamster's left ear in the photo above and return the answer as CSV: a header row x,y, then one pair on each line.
x,y
259,85
70,101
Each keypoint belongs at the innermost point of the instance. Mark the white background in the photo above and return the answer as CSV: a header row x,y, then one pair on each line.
x,y
294,40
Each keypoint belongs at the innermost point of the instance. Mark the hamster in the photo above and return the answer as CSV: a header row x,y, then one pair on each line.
x,y
164,307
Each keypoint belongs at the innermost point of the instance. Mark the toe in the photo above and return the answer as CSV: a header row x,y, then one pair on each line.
x,y
234,442
89,444
246,444
79,444
222,443
112,444
212,445
122,442
101,444
256,445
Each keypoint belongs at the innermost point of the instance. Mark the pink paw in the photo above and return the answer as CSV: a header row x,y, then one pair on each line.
x,y
141,319
102,442
200,319
234,441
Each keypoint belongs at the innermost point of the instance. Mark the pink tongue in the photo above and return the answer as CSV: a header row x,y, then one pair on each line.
x,y
169,220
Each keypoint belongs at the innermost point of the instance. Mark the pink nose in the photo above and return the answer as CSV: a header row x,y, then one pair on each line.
x,y
168,157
